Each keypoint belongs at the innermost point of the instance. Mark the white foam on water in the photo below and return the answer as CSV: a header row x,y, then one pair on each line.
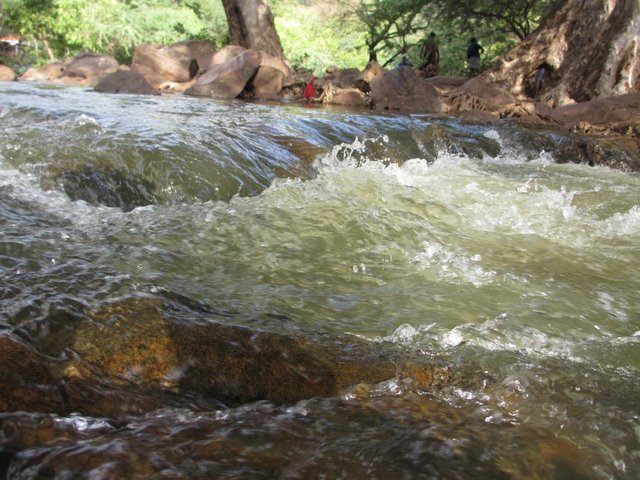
x,y
84,424
453,266
623,224
26,187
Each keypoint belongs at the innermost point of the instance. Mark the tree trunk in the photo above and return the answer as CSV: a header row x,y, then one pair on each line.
x,y
591,46
251,25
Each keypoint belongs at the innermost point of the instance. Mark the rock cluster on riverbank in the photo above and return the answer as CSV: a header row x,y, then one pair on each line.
x,y
195,68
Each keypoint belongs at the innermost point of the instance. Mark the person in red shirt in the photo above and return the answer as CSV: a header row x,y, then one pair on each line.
x,y
310,90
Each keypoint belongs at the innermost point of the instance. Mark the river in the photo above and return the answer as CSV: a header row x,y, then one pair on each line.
x,y
468,242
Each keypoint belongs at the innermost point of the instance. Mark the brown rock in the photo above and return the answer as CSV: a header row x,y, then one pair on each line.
x,y
229,79
351,97
52,70
158,63
267,83
200,50
26,381
479,118
363,80
225,54
124,81
343,78
617,113
90,65
445,85
7,74
134,341
402,89
98,398
277,63
479,94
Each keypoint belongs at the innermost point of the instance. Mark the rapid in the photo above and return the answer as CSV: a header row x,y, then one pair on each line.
x,y
469,243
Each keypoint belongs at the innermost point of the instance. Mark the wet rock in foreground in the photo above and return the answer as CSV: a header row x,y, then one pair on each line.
x,y
376,436
135,340
26,380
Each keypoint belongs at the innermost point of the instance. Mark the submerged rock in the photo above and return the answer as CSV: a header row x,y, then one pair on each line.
x,y
26,380
107,187
137,341
375,436
619,152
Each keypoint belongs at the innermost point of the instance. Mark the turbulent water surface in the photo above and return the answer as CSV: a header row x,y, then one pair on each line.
x,y
468,242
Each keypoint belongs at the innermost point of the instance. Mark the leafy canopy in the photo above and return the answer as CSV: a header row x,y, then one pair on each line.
x,y
314,33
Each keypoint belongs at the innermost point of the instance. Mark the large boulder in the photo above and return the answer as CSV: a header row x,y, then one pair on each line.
x,y
342,78
159,64
7,74
88,68
276,63
402,89
268,81
50,71
266,84
364,79
225,54
229,79
124,81
200,50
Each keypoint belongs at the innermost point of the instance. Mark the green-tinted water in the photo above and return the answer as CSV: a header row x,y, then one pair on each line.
x,y
474,246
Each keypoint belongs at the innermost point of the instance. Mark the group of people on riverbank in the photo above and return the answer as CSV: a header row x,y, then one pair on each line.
x,y
430,56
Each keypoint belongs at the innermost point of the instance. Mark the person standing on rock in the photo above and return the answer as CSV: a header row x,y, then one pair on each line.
x,y
473,56
538,81
430,52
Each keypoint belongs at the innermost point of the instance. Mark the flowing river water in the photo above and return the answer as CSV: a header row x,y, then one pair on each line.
x,y
470,243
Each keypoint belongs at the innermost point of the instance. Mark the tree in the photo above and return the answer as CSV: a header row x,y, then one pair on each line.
x,y
591,46
251,25
33,19
518,17
389,23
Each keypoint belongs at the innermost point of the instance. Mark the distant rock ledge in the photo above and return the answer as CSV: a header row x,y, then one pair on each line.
x,y
195,68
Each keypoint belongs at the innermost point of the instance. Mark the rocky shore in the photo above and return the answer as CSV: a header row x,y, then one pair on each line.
x,y
195,68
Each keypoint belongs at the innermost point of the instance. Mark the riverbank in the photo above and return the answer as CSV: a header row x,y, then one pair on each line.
x,y
194,68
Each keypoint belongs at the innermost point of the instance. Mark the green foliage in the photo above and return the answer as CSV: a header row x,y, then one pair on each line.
x,y
393,27
516,17
314,33
313,40
113,27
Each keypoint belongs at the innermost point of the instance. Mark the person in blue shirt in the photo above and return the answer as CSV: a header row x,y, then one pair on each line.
x,y
473,56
